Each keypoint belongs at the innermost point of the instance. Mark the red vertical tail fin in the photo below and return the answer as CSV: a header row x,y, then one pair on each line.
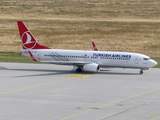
x,y
94,46
27,39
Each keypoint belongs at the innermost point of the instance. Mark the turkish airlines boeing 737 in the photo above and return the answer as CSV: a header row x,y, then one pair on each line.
x,y
81,59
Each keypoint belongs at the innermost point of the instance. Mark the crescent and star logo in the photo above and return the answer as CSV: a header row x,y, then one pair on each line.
x,y
28,41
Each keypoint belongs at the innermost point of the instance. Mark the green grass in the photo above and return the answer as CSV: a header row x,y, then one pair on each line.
x,y
17,58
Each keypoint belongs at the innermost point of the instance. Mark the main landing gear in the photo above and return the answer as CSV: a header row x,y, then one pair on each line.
x,y
141,72
78,70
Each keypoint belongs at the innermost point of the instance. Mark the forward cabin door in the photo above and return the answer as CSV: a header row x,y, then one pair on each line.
x,y
136,60
85,57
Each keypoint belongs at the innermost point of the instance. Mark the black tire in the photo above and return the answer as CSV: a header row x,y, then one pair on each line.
x,y
78,70
141,72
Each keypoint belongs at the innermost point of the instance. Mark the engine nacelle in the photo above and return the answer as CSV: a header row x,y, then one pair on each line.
x,y
93,67
75,68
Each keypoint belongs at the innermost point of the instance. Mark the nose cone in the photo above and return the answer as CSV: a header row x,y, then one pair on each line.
x,y
153,63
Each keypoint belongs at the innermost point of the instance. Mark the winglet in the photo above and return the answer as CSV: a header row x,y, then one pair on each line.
x,y
94,46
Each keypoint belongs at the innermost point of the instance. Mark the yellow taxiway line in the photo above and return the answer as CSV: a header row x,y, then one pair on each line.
x,y
114,103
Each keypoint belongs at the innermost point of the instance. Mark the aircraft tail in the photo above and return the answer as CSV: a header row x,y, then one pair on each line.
x,y
94,46
27,39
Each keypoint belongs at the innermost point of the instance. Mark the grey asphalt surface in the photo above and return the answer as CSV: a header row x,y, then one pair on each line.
x,y
55,92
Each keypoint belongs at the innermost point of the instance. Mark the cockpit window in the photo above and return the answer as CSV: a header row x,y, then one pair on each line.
x,y
146,58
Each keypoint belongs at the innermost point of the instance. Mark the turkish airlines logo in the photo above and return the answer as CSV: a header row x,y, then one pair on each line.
x,y
28,41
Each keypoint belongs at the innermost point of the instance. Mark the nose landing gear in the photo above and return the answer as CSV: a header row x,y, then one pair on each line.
x,y
141,70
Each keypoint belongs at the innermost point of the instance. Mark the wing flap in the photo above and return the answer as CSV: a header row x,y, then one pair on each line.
x,y
78,63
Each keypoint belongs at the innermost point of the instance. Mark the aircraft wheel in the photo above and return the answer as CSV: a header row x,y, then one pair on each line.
x,y
78,70
141,72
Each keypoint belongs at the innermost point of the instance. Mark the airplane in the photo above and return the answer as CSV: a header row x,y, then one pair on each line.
x,y
82,60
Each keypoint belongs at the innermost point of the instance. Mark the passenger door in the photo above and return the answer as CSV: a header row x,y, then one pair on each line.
x,y
136,60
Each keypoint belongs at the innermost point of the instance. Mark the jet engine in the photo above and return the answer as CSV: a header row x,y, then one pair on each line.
x,y
93,67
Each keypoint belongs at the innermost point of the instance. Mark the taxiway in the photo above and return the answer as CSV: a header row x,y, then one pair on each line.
x,y
55,92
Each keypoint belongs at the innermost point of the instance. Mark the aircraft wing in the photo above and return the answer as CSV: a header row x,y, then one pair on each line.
x,y
78,63
16,50
12,50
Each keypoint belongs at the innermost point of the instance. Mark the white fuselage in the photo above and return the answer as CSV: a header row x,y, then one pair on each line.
x,y
102,58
